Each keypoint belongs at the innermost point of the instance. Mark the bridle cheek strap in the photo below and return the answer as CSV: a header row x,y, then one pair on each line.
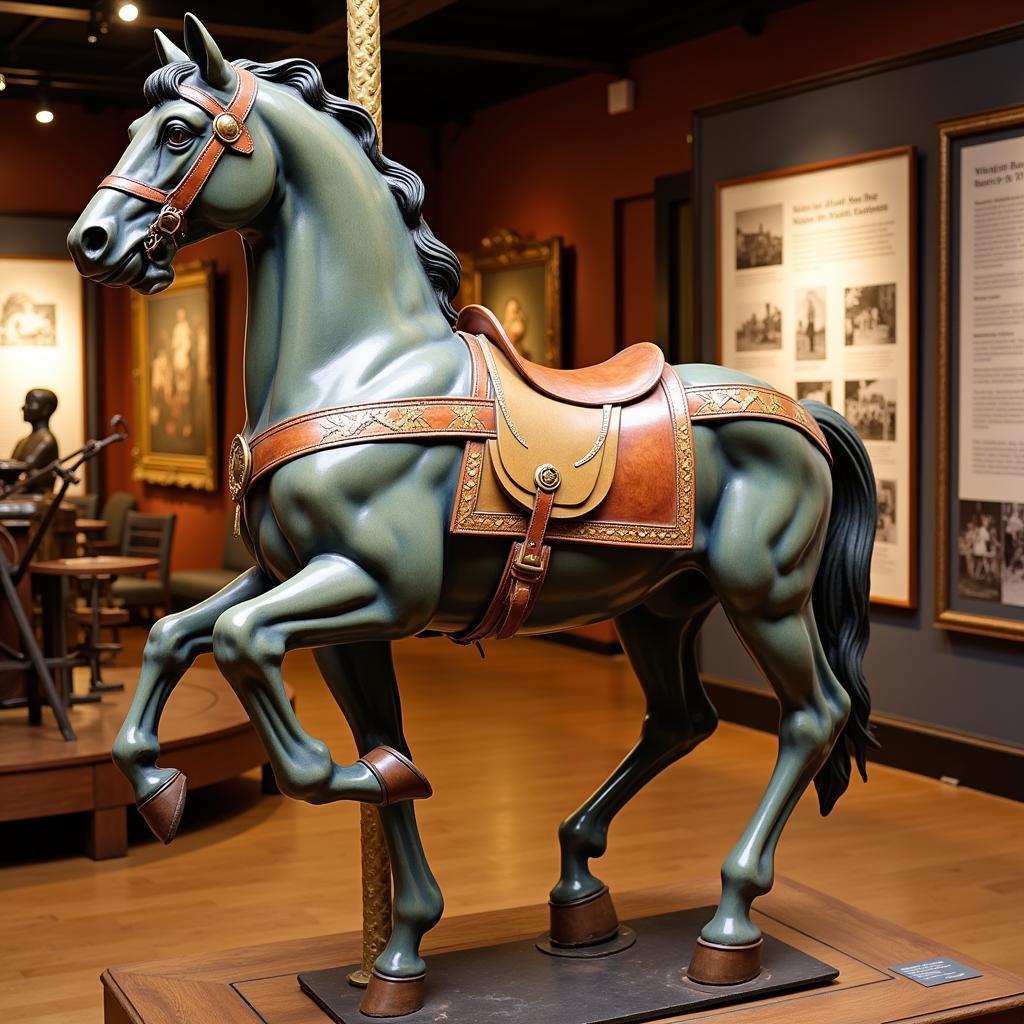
x,y
229,132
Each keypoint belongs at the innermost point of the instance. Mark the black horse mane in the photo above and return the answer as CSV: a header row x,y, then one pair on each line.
x,y
439,263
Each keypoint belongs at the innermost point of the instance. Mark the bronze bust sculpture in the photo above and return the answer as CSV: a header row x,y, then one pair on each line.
x,y
40,447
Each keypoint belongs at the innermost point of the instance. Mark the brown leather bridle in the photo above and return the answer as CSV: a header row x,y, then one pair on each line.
x,y
229,132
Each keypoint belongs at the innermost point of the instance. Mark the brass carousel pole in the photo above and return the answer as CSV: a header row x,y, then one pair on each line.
x,y
364,89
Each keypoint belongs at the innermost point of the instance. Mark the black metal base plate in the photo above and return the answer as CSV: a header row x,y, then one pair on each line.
x,y
515,983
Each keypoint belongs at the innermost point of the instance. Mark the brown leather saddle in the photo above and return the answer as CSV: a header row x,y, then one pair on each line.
x,y
600,455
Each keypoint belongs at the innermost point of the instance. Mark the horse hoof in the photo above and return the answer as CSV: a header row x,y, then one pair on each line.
x,y
584,922
162,810
392,997
713,964
399,778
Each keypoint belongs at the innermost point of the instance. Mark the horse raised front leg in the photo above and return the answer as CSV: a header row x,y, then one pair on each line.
x,y
328,601
331,601
678,717
174,642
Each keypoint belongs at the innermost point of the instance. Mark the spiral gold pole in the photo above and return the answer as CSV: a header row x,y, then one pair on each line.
x,y
364,58
364,88
376,892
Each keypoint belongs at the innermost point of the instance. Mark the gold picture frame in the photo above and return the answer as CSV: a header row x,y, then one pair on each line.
x,y
955,610
175,382
520,280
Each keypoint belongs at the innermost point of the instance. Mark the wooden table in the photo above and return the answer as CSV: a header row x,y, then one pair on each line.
x,y
51,575
257,984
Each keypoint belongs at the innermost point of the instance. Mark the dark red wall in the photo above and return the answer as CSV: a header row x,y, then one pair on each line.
x,y
550,163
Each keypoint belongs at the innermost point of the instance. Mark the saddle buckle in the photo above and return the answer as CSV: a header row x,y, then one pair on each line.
x,y
527,560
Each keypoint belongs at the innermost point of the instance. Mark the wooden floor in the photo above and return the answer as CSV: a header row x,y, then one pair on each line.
x,y
511,745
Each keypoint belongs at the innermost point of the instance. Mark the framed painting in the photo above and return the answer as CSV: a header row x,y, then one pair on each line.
x,y
521,282
817,293
176,415
980,471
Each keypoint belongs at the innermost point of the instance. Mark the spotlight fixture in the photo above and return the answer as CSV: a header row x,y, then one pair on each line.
x,y
95,20
3,83
128,12
44,112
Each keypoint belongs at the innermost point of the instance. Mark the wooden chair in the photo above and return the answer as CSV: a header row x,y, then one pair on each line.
x,y
114,511
188,586
86,505
146,535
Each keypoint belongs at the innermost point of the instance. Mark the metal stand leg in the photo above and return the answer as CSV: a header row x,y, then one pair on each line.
x,y
35,657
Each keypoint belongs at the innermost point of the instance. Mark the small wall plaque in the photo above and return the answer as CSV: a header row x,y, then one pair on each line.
x,y
938,971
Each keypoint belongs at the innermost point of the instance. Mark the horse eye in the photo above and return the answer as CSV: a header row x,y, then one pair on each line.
x,y
177,136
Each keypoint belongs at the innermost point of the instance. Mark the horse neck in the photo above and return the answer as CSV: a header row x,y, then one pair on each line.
x,y
340,309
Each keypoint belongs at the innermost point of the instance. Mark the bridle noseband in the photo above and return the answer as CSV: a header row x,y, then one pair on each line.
x,y
229,132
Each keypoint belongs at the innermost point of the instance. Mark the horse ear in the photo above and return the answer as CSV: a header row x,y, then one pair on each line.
x,y
214,69
166,50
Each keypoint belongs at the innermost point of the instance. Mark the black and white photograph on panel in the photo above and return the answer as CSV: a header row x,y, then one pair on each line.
x,y
871,315
758,326
1013,553
809,313
871,408
759,237
979,550
815,390
885,530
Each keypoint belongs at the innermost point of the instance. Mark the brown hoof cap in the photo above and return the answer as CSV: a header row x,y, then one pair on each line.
x,y
392,997
713,964
584,922
162,810
399,778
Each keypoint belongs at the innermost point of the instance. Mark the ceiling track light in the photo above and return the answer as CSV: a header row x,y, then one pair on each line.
x,y
44,112
3,82
127,11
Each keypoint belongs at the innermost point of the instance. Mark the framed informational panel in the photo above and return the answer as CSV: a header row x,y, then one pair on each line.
x,y
980,472
817,295
41,346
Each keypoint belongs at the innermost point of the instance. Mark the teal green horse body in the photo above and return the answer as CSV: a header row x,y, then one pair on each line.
x,y
349,301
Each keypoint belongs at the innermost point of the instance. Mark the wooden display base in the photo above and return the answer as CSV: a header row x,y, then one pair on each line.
x,y
204,732
511,984
258,985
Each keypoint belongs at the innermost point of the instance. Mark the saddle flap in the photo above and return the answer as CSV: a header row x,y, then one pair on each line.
x,y
534,430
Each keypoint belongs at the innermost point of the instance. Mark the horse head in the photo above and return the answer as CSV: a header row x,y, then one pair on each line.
x,y
199,162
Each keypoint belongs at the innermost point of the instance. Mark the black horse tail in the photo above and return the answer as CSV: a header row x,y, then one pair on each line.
x,y
840,595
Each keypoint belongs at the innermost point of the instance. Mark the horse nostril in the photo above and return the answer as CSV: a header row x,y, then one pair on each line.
x,y
94,241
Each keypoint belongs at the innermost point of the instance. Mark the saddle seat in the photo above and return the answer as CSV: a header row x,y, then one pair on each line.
x,y
625,377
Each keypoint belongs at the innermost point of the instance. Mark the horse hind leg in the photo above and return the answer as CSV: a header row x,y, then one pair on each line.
x,y
770,610
678,717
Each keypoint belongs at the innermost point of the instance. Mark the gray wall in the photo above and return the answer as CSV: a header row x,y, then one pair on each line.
x,y
954,681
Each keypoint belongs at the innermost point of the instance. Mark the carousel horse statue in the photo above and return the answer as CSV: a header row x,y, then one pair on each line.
x,y
404,471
